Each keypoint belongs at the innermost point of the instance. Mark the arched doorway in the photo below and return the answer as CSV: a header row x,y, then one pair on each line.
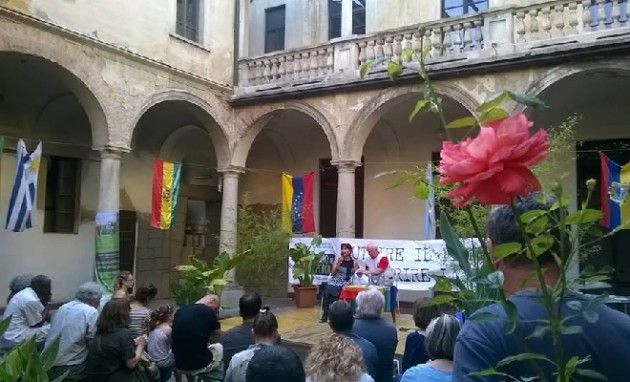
x,y
41,101
597,97
175,131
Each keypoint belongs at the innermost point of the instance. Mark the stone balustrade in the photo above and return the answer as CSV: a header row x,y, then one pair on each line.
x,y
461,41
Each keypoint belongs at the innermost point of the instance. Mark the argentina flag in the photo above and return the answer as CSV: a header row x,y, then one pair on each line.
x,y
21,213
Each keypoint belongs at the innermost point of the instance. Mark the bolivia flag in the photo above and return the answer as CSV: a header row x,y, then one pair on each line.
x,y
165,191
297,203
613,213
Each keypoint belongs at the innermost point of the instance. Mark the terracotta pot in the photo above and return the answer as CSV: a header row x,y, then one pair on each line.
x,y
305,296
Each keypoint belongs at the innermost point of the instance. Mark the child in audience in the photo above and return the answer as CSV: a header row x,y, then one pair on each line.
x,y
159,343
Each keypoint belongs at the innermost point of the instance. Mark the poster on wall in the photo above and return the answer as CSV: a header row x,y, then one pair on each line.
x,y
107,260
413,261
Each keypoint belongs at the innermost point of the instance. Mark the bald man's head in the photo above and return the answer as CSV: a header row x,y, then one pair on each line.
x,y
372,250
211,301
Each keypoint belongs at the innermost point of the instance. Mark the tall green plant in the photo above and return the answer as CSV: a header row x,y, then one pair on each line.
x,y
24,363
305,260
261,235
198,277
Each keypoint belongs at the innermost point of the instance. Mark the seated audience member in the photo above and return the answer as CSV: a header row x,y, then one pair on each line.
x,y
439,343
159,342
74,324
275,363
341,274
336,358
113,355
241,337
415,352
18,283
381,333
28,310
481,344
140,313
196,331
341,319
265,330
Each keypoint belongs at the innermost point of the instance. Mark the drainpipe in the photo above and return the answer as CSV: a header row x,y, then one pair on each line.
x,y
237,31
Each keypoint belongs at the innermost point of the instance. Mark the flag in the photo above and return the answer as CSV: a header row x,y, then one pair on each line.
x,y
22,214
613,212
297,203
429,207
166,177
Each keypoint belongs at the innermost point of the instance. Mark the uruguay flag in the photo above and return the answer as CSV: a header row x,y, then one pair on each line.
x,y
21,214
297,203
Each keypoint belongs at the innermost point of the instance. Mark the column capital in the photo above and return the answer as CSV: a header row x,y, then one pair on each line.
x,y
346,165
231,171
112,152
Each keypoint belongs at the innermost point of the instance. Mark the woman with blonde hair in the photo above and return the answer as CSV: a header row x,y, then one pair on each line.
x,y
336,358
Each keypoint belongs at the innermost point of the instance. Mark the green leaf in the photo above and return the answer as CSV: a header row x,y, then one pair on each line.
x,y
489,372
365,68
539,332
494,102
406,55
49,355
462,122
420,105
512,315
574,305
590,316
454,246
496,279
394,70
563,202
443,285
542,244
588,215
590,374
421,190
440,299
506,249
4,325
528,100
522,357
569,330
482,316
492,115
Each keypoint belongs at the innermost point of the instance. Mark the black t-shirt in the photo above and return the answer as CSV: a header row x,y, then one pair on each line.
x,y
192,327
108,355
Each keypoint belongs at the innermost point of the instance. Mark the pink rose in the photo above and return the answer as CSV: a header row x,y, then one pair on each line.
x,y
493,166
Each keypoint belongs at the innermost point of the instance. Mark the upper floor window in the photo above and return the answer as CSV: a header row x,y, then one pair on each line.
x,y
62,194
334,18
188,16
274,29
452,8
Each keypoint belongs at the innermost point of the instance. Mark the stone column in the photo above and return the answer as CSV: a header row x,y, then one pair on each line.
x,y
107,246
346,18
109,184
345,197
229,209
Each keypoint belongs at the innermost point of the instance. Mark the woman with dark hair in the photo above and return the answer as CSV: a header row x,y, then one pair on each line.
x,y
265,330
341,274
275,363
113,355
123,285
140,314
415,353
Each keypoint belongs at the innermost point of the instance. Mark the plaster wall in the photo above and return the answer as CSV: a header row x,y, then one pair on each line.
x,y
147,28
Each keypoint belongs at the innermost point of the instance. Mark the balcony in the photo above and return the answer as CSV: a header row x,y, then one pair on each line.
x,y
498,37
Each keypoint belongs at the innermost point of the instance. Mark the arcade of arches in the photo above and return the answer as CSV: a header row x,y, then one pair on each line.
x,y
104,136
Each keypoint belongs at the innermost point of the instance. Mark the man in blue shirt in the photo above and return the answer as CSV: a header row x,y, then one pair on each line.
x,y
482,344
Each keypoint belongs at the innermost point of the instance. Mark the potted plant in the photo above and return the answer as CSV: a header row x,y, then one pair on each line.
x,y
305,261
198,278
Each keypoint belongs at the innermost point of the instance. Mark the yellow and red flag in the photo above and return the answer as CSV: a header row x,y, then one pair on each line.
x,y
165,191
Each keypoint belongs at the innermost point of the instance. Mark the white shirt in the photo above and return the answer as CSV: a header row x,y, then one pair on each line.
x,y
26,311
74,323
387,276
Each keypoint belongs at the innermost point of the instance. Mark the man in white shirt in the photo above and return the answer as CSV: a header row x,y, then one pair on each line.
x,y
75,324
380,273
28,312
